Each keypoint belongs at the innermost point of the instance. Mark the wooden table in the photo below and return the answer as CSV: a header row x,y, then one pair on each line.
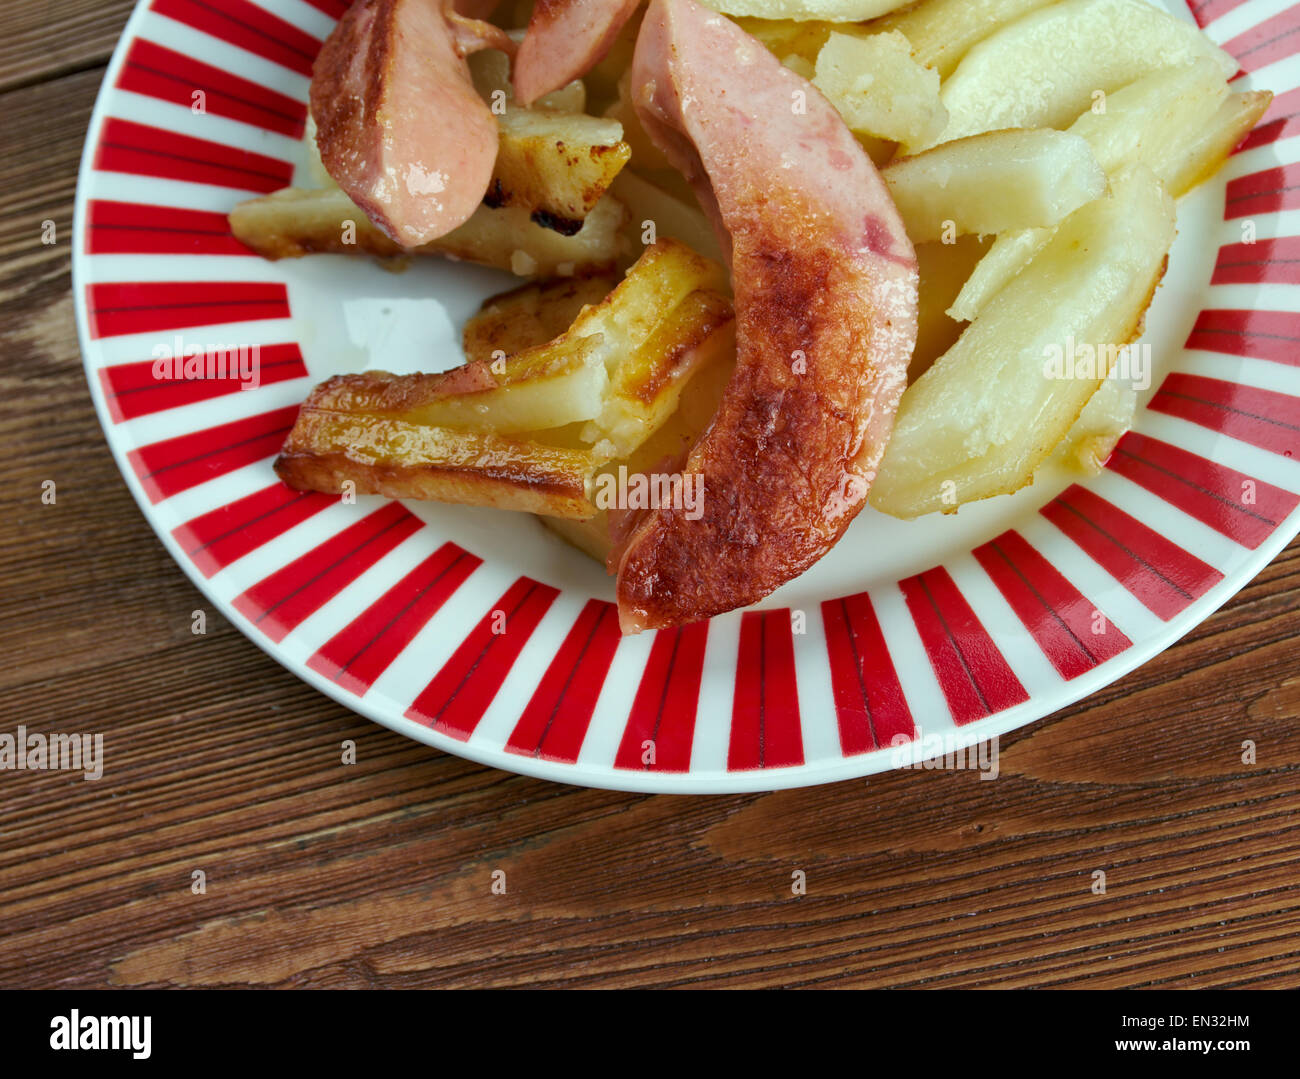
x,y
379,874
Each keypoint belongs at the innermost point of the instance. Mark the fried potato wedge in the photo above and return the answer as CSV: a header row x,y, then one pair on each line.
x,y
528,430
293,222
980,421
942,32
1044,69
398,459
879,90
1181,123
647,387
1195,161
1105,419
655,212
663,452
530,315
555,165
994,182
829,10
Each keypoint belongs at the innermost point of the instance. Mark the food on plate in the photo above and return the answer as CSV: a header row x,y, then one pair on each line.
x,y
994,182
387,66
744,234
961,433
879,89
565,39
830,10
1047,67
1181,123
524,430
942,32
293,222
531,315
557,166
825,283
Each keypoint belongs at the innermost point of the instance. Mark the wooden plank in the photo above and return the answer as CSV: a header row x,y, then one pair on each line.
x,y
44,39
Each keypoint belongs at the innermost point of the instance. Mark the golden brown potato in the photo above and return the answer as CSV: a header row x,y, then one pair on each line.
x,y
528,430
530,315
293,222
555,165
397,459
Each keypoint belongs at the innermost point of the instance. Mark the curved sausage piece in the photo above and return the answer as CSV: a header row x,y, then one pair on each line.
x,y
825,281
565,40
399,124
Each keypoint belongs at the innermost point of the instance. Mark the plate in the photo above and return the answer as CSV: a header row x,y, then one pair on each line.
x,y
482,634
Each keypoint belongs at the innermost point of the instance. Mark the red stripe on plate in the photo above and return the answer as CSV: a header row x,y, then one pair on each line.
x,y
176,464
1263,192
765,730
358,654
1238,506
283,601
333,8
130,228
1281,121
141,150
663,712
1265,260
247,26
1164,577
869,704
975,677
220,537
1072,633
461,692
172,76
1263,418
120,308
133,389
1206,11
1267,42
555,722
1261,335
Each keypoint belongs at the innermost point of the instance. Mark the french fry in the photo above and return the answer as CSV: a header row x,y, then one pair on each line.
x,y
942,32
879,89
292,223
1201,157
981,420
1044,69
1160,121
994,182
829,10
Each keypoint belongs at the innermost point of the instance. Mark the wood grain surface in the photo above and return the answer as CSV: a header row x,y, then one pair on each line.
x,y
379,873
